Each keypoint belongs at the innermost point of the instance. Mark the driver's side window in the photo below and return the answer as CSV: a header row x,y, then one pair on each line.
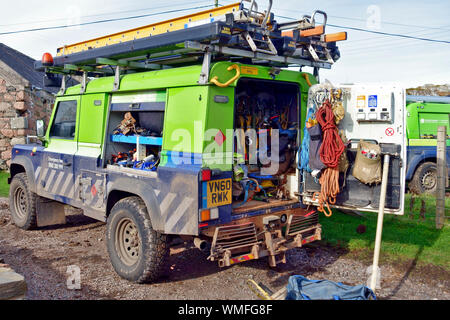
x,y
64,122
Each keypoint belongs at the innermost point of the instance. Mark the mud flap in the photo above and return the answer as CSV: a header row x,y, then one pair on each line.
x,y
49,212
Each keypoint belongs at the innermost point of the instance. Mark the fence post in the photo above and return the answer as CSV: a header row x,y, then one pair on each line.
x,y
441,176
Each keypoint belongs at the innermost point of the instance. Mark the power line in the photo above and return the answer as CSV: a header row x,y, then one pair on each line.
x,y
207,6
359,19
378,32
103,21
382,41
101,14
389,34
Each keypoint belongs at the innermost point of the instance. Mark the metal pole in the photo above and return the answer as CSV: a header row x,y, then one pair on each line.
x,y
376,254
441,176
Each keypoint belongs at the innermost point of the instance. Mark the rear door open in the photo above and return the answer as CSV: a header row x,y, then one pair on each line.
x,y
373,114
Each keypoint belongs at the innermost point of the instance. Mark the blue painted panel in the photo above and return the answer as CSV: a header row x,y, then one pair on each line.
x,y
154,141
418,154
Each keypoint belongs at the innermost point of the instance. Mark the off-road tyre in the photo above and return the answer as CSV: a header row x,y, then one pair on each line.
x,y
22,202
127,223
424,179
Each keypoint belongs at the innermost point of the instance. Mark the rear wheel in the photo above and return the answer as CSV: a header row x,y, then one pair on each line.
x,y
137,252
425,178
22,202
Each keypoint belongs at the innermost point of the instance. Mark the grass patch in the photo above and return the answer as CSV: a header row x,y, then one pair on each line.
x,y
4,186
404,237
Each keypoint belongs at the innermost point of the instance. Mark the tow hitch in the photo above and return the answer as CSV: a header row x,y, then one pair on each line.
x,y
243,242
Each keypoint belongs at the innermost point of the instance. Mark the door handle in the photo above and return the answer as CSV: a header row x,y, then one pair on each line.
x,y
67,164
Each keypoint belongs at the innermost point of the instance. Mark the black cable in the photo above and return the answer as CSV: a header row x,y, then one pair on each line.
x,y
206,6
389,34
377,32
103,21
362,20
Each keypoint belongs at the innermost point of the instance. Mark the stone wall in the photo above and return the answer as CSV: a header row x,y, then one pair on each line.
x,y
20,107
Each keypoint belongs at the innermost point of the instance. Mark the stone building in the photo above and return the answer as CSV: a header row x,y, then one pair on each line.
x,y
22,100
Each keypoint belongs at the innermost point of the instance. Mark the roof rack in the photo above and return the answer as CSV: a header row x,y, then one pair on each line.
x,y
227,33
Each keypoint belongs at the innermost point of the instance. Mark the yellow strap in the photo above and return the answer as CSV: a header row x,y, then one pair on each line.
x,y
226,84
258,290
305,75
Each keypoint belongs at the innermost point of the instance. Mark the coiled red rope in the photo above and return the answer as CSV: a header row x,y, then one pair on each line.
x,y
332,145
330,151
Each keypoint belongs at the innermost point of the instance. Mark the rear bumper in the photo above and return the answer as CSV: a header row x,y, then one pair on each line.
x,y
266,235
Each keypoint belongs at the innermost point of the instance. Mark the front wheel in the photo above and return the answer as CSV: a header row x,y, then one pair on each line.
x,y
22,202
137,252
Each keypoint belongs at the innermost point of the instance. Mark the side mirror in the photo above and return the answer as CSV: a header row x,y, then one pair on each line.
x,y
40,132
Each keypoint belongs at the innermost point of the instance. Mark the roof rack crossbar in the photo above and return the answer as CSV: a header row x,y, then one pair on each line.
x,y
256,55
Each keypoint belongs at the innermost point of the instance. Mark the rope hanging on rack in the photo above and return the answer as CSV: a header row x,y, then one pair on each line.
x,y
329,182
330,152
332,145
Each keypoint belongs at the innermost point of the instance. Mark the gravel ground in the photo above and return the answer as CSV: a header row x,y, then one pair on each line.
x,y
43,256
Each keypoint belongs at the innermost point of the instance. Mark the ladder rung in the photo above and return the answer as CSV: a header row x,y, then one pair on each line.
x,y
148,30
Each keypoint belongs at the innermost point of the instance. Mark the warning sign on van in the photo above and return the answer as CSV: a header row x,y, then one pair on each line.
x,y
361,101
373,101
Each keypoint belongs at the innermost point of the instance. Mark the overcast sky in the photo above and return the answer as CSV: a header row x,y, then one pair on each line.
x,y
366,57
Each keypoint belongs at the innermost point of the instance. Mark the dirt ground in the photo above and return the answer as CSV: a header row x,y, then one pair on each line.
x,y
43,256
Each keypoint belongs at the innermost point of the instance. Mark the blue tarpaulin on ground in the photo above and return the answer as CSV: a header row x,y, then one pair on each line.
x,y
301,288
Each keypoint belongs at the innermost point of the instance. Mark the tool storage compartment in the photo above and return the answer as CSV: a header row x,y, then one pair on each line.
x,y
266,140
135,128
367,123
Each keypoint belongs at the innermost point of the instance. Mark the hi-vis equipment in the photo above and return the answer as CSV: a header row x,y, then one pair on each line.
x,y
192,128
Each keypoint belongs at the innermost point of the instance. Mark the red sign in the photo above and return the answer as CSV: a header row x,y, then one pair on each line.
x,y
389,132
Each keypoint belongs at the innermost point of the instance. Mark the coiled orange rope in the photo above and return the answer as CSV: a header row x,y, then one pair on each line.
x,y
329,189
330,151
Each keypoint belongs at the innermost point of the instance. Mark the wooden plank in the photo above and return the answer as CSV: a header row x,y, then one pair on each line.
x,y
441,176
12,285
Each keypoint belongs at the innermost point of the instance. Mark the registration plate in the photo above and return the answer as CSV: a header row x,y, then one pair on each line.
x,y
218,192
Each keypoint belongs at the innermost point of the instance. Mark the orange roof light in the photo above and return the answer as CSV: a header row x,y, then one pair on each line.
x,y
47,59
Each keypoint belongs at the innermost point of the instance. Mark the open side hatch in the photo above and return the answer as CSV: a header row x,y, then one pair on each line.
x,y
373,125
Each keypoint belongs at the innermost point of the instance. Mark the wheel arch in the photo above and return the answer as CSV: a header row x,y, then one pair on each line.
x,y
121,190
415,163
23,164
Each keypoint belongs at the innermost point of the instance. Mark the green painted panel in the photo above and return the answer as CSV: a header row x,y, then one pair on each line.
x,y
429,123
424,118
92,118
426,142
140,96
167,78
220,70
184,119
218,153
